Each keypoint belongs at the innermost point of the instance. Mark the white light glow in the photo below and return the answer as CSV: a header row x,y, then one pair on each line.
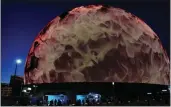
x,y
34,86
113,83
149,93
29,88
18,61
164,90
96,96
24,91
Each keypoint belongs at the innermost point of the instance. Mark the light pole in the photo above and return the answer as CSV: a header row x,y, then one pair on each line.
x,y
113,90
18,61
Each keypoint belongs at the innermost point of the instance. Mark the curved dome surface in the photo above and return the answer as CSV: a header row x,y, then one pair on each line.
x,y
97,44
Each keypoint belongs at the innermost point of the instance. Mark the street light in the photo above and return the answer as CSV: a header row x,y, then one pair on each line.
x,y
113,90
18,61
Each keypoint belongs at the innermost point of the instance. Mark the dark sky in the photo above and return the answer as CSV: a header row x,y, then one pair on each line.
x,y
22,21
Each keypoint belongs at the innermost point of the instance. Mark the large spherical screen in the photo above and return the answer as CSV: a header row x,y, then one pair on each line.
x,y
97,44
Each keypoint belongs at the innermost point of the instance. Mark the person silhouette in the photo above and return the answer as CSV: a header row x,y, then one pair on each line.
x,y
59,103
51,103
82,102
55,102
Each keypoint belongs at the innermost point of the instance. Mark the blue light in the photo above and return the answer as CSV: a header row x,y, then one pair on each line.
x,y
53,97
60,97
80,97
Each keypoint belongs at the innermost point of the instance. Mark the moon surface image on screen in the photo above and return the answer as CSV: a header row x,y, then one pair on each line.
x,y
97,44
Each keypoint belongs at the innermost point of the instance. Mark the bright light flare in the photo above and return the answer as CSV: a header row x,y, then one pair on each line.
x,y
18,61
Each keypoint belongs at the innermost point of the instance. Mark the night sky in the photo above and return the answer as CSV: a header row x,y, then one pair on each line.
x,y
23,20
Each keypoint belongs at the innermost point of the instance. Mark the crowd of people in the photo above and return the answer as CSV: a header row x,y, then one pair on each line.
x,y
107,102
